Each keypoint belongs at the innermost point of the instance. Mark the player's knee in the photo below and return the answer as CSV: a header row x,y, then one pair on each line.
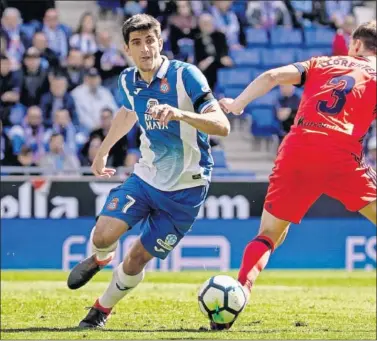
x,y
102,239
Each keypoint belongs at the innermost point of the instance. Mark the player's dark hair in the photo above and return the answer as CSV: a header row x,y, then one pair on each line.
x,y
140,22
367,33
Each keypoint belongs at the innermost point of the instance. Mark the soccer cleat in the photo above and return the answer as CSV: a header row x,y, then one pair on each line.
x,y
83,272
222,326
95,319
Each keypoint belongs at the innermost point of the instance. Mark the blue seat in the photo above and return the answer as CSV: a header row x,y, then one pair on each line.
x,y
268,100
281,36
246,57
264,122
318,37
306,54
108,4
233,77
219,158
232,92
278,56
255,36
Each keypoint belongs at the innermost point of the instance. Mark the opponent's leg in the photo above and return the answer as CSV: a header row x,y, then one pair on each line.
x,y
126,277
257,253
370,212
271,234
104,240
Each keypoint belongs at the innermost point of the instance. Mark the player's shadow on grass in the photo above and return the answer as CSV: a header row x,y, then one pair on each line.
x,y
77,329
161,330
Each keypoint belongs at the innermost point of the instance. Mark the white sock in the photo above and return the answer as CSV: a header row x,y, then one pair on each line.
x,y
104,255
113,294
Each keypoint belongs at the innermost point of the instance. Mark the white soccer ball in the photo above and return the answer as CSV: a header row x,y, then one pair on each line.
x,y
221,299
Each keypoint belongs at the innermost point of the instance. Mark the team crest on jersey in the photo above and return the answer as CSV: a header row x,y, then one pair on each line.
x,y
164,86
113,204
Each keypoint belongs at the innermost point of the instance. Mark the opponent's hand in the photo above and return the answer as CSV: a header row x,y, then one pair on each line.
x,y
165,113
227,105
99,167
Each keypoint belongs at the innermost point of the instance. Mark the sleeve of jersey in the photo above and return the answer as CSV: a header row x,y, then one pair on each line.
x,y
305,69
197,88
122,89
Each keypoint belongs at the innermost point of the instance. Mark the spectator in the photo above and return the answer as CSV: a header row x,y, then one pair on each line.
x,y
117,153
85,37
227,22
342,37
92,148
31,133
267,14
89,61
56,99
300,12
109,61
7,156
75,69
32,11
90,98
58,159
57,35
34,78
10,85
337,11
16,38
182,27
199,7
286,108
63,125
371,153
131,8
25,158
211,49
49,57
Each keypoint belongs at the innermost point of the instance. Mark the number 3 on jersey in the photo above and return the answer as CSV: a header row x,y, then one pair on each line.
x,y
339,94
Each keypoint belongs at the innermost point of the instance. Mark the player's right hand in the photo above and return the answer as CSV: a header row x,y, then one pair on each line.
x,y
99,168
228,106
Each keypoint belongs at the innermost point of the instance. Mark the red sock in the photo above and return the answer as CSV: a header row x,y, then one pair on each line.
x,y
103,309
255,258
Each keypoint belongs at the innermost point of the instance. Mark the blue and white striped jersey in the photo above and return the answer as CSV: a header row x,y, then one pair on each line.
x,y
177,156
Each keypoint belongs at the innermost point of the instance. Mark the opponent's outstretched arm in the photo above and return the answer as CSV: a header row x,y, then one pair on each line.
x,y
122,123
289,74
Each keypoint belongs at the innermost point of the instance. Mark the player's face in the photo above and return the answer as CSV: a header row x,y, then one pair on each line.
x,y
144,48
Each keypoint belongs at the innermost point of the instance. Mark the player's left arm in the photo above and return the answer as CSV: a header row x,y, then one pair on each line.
x,y
207,117
293,74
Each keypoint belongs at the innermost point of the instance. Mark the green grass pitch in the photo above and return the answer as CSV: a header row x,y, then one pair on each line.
x,y
284,305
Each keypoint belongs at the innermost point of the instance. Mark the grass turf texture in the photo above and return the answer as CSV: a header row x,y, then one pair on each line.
x,y
284,305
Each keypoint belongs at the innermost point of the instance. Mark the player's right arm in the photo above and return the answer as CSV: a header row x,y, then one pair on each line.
x,y
290,74
124,120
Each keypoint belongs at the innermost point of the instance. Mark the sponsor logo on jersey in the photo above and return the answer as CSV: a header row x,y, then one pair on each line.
x,y
152,124
152,102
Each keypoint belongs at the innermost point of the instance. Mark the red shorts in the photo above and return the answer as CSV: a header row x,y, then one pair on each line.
x,y
303,173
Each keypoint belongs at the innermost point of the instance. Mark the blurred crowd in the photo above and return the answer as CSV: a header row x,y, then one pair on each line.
x,y
59,84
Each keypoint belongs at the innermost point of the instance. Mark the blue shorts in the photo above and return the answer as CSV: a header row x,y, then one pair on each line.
x,y
165,216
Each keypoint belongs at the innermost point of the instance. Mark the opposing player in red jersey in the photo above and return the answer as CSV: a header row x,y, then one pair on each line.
x,y
323,152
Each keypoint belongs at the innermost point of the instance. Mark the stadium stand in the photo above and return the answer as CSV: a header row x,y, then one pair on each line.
x,y
263,46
